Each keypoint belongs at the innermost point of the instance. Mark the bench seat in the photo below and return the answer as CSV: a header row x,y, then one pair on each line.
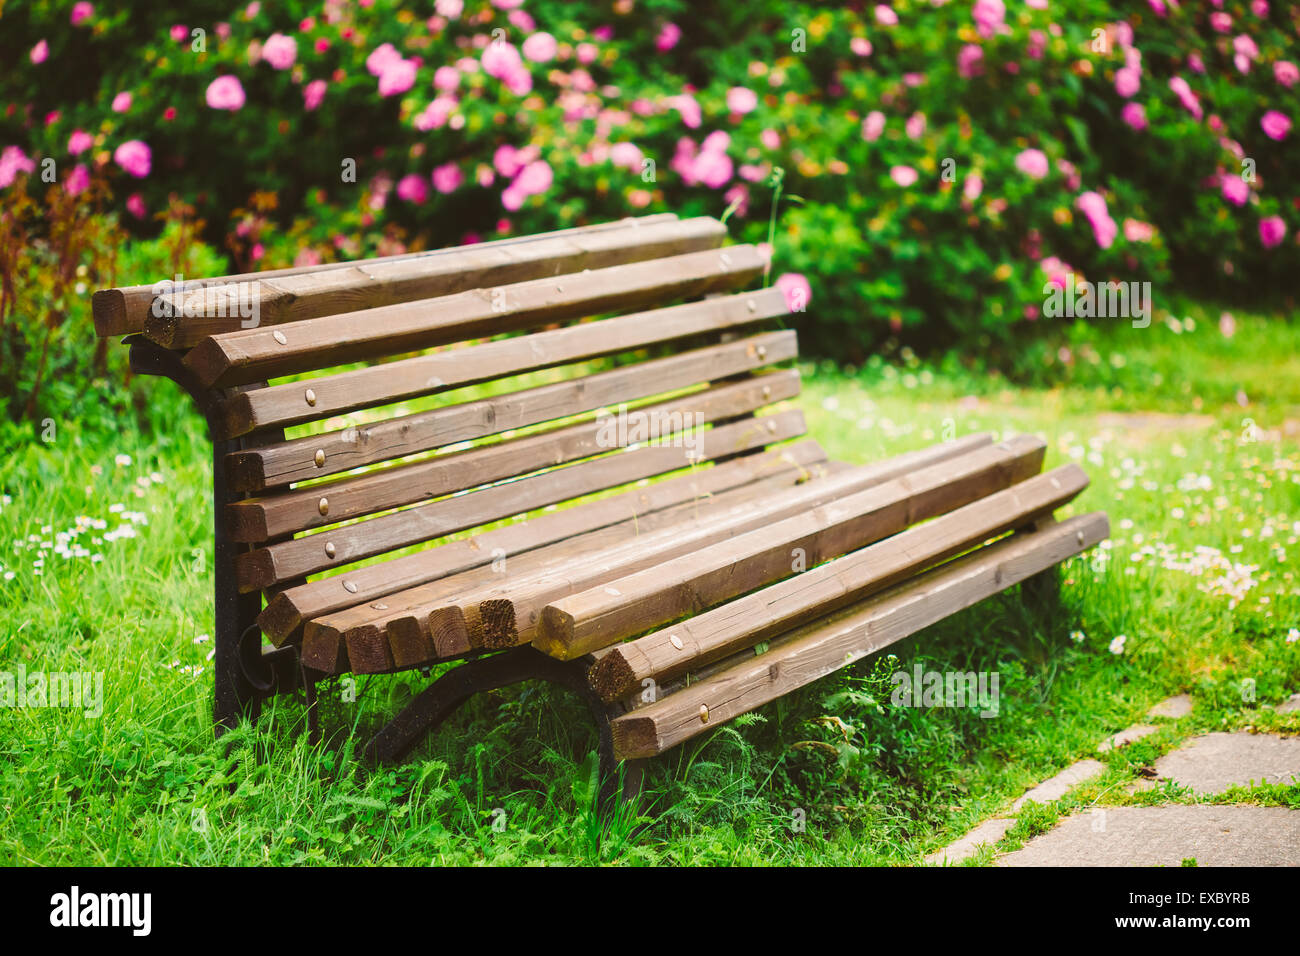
x,y
572,456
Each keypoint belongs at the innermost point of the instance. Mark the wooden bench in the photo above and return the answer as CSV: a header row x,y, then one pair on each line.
x,y
460,390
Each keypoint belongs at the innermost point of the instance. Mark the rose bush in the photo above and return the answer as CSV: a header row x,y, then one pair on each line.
x,y
941,161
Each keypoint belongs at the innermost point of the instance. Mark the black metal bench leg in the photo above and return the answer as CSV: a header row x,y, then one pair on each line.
x,y
440,700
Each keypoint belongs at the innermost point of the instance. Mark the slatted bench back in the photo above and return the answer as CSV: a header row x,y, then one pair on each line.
x,y
656,304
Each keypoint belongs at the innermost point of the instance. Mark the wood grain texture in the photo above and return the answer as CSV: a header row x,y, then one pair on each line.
x,y
335,547
820,648
260,519
266,352
710,636
384,383
512,615
279,463
122,311
395,637
625,606
184,319
288,610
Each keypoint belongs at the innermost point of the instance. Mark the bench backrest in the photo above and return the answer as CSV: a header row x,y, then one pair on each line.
x,y
349,347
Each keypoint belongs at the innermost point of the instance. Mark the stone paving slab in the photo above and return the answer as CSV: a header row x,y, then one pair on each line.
x,y
1290,705
990,831
1125,737
1165,836
1213,762
1173,708
1052,789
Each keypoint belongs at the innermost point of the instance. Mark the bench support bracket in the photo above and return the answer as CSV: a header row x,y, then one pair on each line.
x,y
441,699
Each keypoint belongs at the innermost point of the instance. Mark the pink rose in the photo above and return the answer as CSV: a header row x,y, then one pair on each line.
x,y
770,139
12,162
689,108
1127,81
903,175
79,142
989,17
447,178
81,12
1235,190
225,93
413,189
77,181
280,51
398,77
1135,115
796,290
41,52
1033,163
446,78
121,102
135,206
1220,22
668,37
873,126
1227,325
380,58
972,187
741,99
915,126
135,157
180,32
1185,96
970,60
451,9
713,168
1286,73
1093,207
1136,231
540,48
860,46
1275,125
626,155
1271,231
312,94
886,16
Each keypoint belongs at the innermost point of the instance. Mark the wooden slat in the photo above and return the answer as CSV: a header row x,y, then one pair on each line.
x,y
266,352
310,399
124,310
818,649
499,628
744,622
265,567
374,644
823,528
259,519
286,612
280,463
430,621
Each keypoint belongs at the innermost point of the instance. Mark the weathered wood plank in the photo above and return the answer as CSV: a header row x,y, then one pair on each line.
x,y
265,567
266,352
815,650
380,640
823,527
281,463
312,399
744,622
288,610
123,310
317,505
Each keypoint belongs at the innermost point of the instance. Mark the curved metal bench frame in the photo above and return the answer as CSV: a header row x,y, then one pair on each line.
x,y
247,674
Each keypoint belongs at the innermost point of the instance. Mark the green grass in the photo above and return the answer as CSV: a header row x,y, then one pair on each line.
x,y
1192,441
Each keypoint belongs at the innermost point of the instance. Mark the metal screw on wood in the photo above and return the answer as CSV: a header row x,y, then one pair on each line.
x,y
279,337
762,351
677,641
704,714
311,397
329,549
324,506
349,587
320,457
